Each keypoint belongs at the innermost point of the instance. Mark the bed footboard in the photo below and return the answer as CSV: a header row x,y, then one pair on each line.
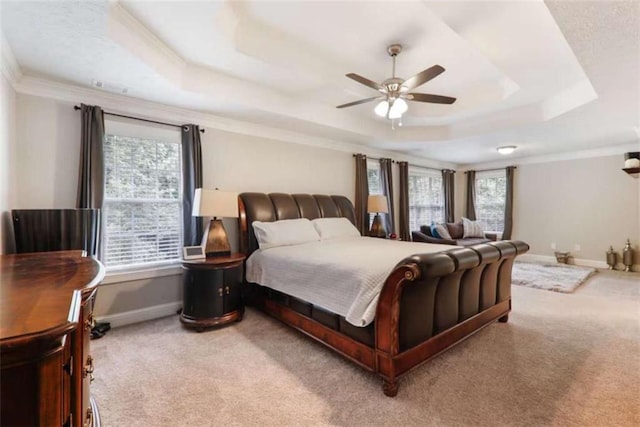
x,y
433,301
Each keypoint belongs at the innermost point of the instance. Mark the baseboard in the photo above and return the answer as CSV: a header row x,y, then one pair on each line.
x,y
575,261
141,315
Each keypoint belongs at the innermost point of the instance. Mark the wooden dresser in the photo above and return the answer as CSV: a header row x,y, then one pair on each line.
x,y
46,304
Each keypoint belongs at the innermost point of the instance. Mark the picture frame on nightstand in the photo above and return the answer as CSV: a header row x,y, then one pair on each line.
x,y
193,253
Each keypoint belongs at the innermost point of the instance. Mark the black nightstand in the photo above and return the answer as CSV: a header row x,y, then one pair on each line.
x,y
211,291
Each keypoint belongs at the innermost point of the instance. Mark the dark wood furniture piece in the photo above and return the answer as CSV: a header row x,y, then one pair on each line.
x,y
428,303
46,304
44,230
211,291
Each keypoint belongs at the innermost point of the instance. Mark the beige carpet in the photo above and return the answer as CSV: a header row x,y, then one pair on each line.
x,y
562,360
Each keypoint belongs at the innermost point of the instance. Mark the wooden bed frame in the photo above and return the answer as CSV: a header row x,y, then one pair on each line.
x,y
428,303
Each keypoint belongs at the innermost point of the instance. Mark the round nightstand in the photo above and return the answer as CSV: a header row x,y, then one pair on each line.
x,y
211,291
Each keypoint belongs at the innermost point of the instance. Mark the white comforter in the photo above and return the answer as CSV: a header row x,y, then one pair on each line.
x,y
344,276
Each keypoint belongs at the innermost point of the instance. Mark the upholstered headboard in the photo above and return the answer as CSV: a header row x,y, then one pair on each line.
x,y
277,206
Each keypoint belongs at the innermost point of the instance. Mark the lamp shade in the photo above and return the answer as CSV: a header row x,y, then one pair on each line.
x,y
377,203
216,203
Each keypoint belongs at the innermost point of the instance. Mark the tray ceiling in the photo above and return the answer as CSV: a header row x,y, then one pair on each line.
x,y
548,77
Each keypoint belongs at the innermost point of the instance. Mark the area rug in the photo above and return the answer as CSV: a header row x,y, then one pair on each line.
x,y
551,277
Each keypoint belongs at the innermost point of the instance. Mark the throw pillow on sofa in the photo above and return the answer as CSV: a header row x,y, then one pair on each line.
x,y
441,231
471,228
455,230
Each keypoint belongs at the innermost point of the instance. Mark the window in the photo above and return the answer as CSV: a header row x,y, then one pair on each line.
x,y
491,189
426,197
373,177
374,181
143,200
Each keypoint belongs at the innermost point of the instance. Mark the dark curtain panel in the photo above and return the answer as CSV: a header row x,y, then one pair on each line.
x,y
471,195
405,233
508,204
91,176
448,183
386,180
362,194
191,179
91,179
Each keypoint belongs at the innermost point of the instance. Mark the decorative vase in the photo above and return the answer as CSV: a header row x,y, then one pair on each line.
x,y
627,256
611,258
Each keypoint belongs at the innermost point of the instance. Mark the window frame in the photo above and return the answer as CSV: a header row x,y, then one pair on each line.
x,y
156,268
374,165
431,173
490,174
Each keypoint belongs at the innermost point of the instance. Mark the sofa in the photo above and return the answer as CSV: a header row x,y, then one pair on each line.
x,y
456,231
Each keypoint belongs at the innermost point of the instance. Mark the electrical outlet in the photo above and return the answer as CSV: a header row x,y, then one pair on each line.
x,y
576,247
553,246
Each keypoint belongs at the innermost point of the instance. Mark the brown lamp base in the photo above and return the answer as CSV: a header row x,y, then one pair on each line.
x,y
377,228
214,240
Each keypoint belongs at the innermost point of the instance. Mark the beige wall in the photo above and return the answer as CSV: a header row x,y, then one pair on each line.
x,y
586,202
7,161
48,151
589,202
241,163
48,141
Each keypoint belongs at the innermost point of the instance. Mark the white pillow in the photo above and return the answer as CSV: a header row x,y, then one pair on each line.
x,y
331,228
284,232
471,228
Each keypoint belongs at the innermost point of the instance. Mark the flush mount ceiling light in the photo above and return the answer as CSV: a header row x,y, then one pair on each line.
x,y
395,90
507,149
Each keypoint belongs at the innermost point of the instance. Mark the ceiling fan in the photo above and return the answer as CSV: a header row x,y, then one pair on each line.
x,y
396,90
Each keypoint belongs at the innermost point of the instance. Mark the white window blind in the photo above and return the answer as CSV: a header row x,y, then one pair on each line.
x,y
491,189
373,177
374,182
143,201
426,198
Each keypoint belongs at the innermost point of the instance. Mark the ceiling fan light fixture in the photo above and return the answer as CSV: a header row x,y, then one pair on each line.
x,y
507,149
394,113
400,105
395,90
382,108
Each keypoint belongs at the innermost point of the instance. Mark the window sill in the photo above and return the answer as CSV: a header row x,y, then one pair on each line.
x,y
141,273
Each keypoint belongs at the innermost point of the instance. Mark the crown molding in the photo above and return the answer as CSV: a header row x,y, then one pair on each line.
x,y
557,157
10,67
121,104
73,94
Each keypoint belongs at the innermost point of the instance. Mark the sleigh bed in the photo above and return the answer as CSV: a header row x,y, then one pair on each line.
x,y
427,303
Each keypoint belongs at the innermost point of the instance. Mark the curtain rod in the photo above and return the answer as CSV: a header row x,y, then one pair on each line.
x,y
375,158
75,107
433,169
413,166
495,169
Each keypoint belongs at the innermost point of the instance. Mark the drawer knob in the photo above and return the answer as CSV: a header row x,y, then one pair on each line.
x,y
88,419
90,322
227,290
220,291
88,369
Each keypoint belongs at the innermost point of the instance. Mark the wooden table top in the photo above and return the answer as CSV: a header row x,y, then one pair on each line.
x,y
37,291
215,262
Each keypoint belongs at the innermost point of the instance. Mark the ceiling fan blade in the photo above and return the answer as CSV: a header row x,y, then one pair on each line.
x,y
362,101
427,97
365,81
423,77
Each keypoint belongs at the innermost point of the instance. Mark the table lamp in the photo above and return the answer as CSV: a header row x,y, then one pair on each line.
x,y
377,204
215,204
